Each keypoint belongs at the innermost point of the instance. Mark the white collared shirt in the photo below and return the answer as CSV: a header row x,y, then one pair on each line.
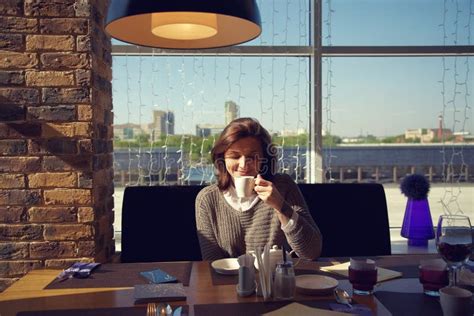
x,y
244,204
240,204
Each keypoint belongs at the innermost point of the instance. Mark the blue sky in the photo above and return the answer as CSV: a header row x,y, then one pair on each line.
x,y
379,96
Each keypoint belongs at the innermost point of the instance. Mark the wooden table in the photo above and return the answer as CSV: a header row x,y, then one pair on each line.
x,y
28,292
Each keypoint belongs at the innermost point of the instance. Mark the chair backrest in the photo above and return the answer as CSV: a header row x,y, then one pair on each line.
x,y
158,224
353,218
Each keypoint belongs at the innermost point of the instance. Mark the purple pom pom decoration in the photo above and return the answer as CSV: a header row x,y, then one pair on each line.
x,y
415,187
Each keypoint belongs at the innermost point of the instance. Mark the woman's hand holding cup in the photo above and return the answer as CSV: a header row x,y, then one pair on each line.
x,y
268,193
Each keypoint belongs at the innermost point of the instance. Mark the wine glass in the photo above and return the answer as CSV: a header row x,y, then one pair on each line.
x,y
454,242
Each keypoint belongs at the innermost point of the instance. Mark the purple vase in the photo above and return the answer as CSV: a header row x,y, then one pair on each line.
x,y
417,223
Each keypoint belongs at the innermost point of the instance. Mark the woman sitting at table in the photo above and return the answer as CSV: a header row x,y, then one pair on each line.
x,y
275,214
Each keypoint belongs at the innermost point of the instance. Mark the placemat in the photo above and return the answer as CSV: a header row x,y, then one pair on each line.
x,y
307,268
408,271
222,279
116,311
259,308
125,275
409,303
319,272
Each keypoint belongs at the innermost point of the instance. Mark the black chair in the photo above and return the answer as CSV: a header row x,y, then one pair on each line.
x,y
158,224
353,218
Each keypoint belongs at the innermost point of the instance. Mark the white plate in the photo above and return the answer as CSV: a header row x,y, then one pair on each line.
x,y
226,266
313,284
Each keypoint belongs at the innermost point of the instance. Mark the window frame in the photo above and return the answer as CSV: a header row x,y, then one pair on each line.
x,y
315,52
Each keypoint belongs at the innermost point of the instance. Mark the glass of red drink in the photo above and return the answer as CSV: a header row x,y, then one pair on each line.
x,y
454,242
433,278
363,281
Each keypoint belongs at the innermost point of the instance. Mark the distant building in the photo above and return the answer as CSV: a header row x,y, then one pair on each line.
x,y
231,111
465,137
205,130
423,134
428,135
352,140
289,132
127,131
163,124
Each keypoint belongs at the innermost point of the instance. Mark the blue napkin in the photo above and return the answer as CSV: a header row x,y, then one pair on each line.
x,y
79,270
158,276
358,309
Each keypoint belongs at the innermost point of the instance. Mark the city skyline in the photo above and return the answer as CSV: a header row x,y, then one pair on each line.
x,y
381,96
163,124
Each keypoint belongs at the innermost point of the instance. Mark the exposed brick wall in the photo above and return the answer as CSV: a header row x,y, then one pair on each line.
x,y
55,135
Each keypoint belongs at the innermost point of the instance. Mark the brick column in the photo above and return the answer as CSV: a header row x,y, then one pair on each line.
x,y
56,204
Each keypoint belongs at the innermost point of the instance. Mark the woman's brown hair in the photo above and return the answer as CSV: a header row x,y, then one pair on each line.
x,y
236,130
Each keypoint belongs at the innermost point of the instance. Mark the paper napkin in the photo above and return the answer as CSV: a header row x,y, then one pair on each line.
x,y
303,310
158,276
79,270
343,269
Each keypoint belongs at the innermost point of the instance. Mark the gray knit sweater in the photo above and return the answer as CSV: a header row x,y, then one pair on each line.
x,y
226,232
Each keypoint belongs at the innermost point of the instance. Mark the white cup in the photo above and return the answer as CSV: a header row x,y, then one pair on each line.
x,y
455,301
244,186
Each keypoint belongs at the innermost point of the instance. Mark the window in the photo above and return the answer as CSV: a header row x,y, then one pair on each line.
x,y
386,117
338,109
170,106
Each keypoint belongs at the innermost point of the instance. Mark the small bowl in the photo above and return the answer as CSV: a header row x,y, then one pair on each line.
x,y
229,266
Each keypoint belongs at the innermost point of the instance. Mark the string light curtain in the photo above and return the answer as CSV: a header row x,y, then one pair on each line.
x,y
195,89
454,24
456,88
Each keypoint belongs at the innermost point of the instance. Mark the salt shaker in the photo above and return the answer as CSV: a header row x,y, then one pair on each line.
x,y
284,283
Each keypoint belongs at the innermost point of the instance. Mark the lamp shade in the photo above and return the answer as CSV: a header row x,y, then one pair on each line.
x,y
183,24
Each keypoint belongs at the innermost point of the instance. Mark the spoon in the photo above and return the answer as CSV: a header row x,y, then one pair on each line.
x,y
164,310
342,297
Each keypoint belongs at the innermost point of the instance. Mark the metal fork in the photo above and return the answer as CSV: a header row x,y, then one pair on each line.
x,y
151,309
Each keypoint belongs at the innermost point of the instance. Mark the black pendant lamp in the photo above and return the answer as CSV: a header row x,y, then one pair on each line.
x,y
183,24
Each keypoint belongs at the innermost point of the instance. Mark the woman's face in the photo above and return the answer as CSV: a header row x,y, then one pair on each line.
x,y
243,158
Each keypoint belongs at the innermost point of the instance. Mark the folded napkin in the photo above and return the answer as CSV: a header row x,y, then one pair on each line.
x,y
343,269
265,273
79,270
303,310
158,276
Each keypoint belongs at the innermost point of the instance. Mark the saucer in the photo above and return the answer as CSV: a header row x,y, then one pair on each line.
x,y
313,284
226,266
